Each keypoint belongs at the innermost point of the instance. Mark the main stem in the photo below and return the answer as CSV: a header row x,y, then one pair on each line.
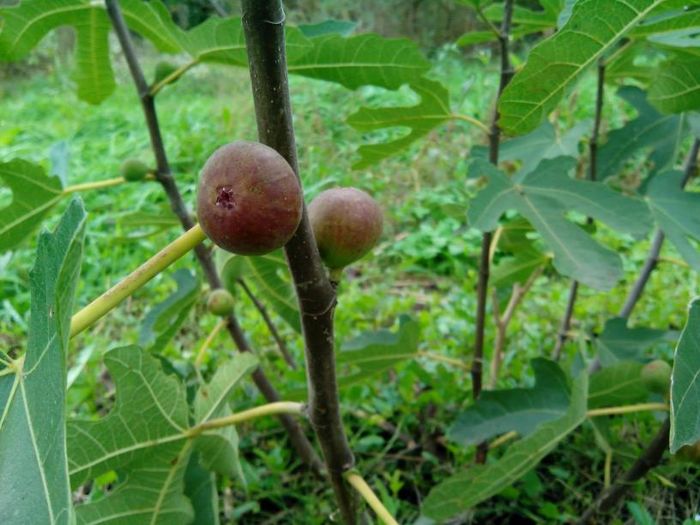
x,y
592,175
164,177
263,25
483,282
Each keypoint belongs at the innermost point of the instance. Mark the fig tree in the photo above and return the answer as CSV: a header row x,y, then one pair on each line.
x,y
249,200
134,170
220,302
656,377
163,70
347,223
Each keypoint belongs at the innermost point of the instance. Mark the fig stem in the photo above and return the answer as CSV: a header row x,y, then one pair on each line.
x,y
466,118
94,185
172,77
359,484
270,409
207,343
627,409
136,279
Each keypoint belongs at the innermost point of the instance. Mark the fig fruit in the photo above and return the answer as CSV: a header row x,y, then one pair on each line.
x,y
249,200
347,223
220,302
656,377
134,170
163,70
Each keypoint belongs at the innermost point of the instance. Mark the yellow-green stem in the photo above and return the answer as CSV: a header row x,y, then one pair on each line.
x,y
271,409
207,343
94,185
627,409
444,359
466,118
500,440
144,273
361,486
172,77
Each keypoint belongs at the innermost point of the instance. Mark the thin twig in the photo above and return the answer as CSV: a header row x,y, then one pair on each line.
x,y
484,263
592,176
263,26
199,359
286,354
164,176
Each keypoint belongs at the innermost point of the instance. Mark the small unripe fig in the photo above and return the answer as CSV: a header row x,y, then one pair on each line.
x,y
347,223
163,70
220,302
249,200
656,377
134,170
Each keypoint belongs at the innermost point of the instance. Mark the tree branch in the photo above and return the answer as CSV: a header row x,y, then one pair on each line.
x,y
484,263
164,177
263,25
651,456
592,175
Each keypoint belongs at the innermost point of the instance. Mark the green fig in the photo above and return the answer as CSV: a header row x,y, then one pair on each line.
x,y
347,223
656,377
249,200
220,302
134,170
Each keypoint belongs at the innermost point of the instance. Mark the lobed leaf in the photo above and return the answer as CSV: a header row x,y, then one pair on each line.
x,y
34,485
618,343
543,197
617,384
676,85
34,193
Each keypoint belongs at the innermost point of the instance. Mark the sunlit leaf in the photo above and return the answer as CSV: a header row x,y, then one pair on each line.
x,y
557,62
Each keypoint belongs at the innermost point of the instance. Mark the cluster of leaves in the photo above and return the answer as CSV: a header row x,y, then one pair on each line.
x,y
159,444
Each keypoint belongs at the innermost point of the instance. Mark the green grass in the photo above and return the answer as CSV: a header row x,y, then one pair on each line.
x,y
425,266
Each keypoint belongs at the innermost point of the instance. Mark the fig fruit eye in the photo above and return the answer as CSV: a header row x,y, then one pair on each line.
x,y
347,223
249,200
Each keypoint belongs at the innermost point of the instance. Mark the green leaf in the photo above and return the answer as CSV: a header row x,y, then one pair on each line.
x,y
685,384
362,60
34,485
517,269
676,85
466,489
374,352
432,110
617,342
544,197
33,194
677,213
218,450
618,384
340,27
554,64
543,143
667,21
200,488
517,409
270,277
143,437
162,322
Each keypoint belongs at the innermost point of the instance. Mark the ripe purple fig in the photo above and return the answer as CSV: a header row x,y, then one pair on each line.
x,y
347,223
249,200
656,377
